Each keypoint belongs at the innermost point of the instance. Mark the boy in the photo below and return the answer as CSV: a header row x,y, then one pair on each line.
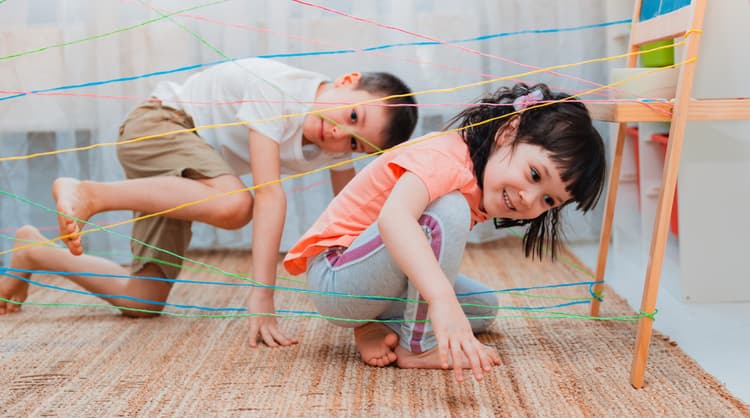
x,y
181,167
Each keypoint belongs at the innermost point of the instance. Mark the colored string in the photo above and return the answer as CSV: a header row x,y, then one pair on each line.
x,y
278,89
514,291
281,55
427,137
240,101
648,315
5,272
476,124
315,315
383,99
182,13
432,39
147,259
103,35
374,52
651,315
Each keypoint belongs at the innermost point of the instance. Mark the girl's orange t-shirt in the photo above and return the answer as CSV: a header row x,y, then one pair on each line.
x,y
440,160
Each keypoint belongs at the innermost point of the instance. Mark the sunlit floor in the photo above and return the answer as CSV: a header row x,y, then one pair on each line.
x,y
717,336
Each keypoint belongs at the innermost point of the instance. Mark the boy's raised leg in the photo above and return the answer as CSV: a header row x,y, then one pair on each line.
x,y
219,206
376,344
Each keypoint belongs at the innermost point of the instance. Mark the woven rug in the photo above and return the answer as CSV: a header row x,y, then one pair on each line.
x,y
90,361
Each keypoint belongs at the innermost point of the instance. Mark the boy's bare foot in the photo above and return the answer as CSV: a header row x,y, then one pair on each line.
x,y
376,343
430,359
14,289
71,200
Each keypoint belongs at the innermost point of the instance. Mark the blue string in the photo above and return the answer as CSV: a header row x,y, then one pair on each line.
x,y
518,289
6,272
593,294
502,35
108,296
316,53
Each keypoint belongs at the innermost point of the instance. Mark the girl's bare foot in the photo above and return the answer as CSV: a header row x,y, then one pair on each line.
x,y
71,200
430,359
376,343
14,289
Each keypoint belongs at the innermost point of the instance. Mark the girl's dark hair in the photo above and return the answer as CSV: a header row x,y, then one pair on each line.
x,y
403,118
560,126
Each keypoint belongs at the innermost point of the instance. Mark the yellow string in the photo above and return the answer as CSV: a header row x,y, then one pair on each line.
x,y
320,169
365,102
298,175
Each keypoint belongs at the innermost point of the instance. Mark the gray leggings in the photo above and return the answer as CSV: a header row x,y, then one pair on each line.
x,y
366,268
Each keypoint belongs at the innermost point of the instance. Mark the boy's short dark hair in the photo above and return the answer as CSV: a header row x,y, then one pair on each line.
x,y
401,110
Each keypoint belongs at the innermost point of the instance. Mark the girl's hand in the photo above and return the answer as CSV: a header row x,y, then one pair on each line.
x,y
265,326
457,343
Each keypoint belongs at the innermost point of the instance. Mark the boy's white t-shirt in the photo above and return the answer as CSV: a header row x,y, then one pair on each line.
x,y
259,91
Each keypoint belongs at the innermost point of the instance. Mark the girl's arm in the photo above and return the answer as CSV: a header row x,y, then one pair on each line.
x,y
340,178
407,244
269,213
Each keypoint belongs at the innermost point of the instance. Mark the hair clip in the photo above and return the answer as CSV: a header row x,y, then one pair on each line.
x,y
522,102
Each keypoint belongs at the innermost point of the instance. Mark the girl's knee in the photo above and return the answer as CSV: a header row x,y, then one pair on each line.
x,y
487,300
487,304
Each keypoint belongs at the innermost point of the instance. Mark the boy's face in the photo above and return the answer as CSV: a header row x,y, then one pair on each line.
x,y
346,129
522,183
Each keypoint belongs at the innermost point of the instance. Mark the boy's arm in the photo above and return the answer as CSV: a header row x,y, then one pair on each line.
x,y
339,179
269,212
406,242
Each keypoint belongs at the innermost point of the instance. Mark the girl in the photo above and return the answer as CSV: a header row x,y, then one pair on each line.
x,y
398,230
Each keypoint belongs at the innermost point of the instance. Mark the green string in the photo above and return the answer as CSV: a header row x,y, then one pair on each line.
x,y
102,35
552,297
148,259
145,244
206,267
651,315
546,315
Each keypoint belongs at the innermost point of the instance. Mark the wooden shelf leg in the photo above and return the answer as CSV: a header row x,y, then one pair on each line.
x,y
609,212
656,256
651,285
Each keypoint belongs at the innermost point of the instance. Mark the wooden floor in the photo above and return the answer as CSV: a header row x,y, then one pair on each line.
x,y
90,361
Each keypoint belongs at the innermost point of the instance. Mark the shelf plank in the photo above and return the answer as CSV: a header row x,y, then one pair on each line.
x,y
698,109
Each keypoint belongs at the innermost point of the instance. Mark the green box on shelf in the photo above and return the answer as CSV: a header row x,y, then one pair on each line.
x,y
659,58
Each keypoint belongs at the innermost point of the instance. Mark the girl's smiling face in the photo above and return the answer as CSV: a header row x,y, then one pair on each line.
x,y
521,182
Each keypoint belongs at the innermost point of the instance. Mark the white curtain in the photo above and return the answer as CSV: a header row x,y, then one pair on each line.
x,y
45,50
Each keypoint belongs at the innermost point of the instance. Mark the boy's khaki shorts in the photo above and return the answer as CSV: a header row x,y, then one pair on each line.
x,y
182,154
